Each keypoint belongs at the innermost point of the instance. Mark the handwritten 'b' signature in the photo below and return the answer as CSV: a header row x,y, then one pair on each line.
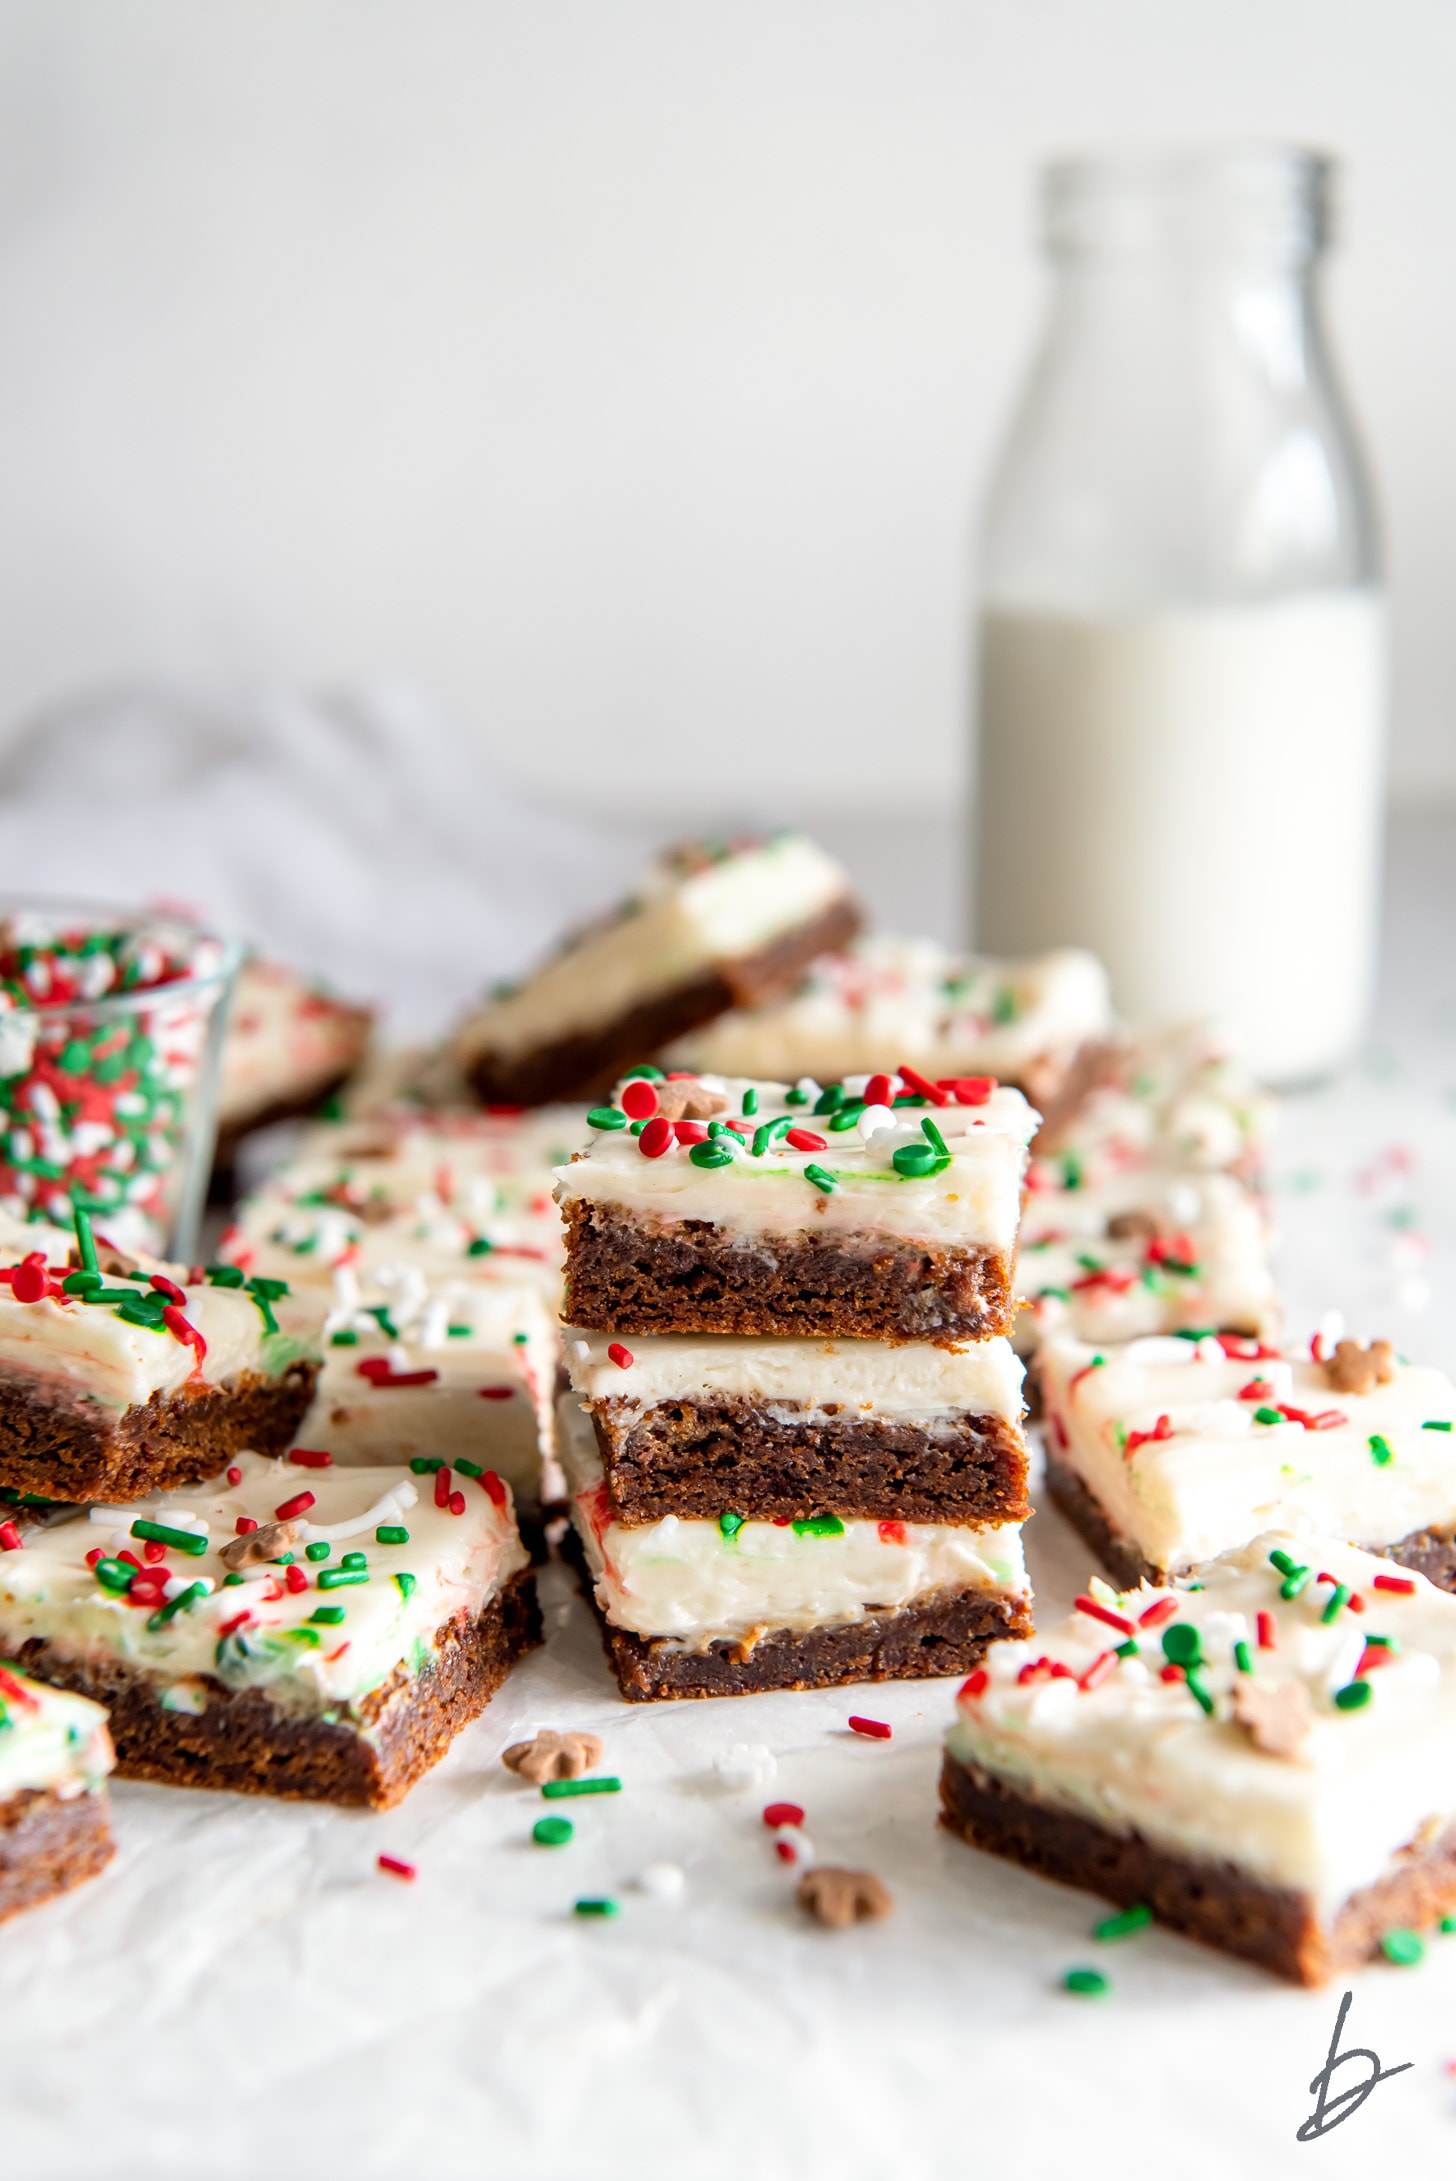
x,y
1329,2110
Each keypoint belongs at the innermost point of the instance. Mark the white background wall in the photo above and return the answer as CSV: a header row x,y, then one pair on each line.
x,y
626,369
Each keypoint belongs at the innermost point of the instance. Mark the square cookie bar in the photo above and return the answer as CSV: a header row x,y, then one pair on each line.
x,y
115,1383
1266,1760
55,1754
713,925
690,1423
717,1205
315,1633
1166,1452
697,1608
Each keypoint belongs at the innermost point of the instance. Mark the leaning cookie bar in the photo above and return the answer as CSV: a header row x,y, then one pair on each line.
x,y
1267,1760
711,926
882,1208
55,1754
112,1384
284,1629
692,1607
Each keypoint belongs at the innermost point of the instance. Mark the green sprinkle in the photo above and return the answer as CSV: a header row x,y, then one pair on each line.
x,y
1404,1948
318,1550
1300,1579
1436,1423
644,1074
1242,1658
406,1583
337,1578
1383,1643
82,1283
750,1103
830,1098
225,1275
1267,1416
114,1574
552,1832
1339,1597
796,1097
730,1525
1071,1171
1198,1688
179,1540
354,1560
563,1790
606,1117
469,1469
710,1154
819,1526
479,1247
1448,1925
1086,1983
425,1465
1125,1923
1128,1649
844,1117
1181,1644
601,1907
1354,1696
180,1604
1283,1563
344,1340
390,1533
820,1179
1381,1450
933,1137
85,1239
459,1332
762,1138
329,1615
232,1577
915,1161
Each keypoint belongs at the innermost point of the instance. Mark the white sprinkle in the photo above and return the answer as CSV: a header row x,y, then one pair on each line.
x,y
745,1764
663,1881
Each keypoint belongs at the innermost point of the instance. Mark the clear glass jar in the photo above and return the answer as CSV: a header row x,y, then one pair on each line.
x,y
1182,655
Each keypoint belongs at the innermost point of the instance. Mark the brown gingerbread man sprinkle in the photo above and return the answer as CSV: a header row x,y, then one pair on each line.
x,y
553,1756
689,1100
1353,1369
1278,1715
840,1898
1132,1227
256,1546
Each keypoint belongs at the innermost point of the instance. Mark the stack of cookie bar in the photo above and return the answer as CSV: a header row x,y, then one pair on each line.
x,y
794,1438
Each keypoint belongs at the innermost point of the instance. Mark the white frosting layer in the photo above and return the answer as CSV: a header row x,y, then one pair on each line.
x,y
1223,1476
691,1582
974,1200
1138,1753
982,1378
488,1345
458,1562
1207,1263
50,1742
678,924
86,1348
887,1000
285,1041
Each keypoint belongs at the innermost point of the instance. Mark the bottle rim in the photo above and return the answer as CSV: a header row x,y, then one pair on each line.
x,y
1263,199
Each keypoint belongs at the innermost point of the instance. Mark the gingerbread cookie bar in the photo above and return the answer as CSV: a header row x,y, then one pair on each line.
x,y
287,1629
784,1430
884,1000
881,1208
1266,1760
112,1383
1166,1452
55,1754
711,926
692,1607
289,1046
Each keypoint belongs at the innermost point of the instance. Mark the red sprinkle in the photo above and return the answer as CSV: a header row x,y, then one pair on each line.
x,y
1256,1390
1119,1621
1162,1429
639,1099
786,1851
1161,1609
456,1503
878,1091
1354,1603
1044,1669
231,1627
28,1284
913,1080
969,1090
244,1524
804,1139
182,1329
97,1553
1373,1655
381,1372
152,1551
11,1538
443,1483
619,1355
131,1559
1239,1348
892,1533
655,1138
308,1457
495,1393
875,1729
294,1578
1172,1672
1400,1584
17,1691
235,1476
395,1867
169,1288
1098,1671
493,1488
690,1132
298,1505
1268,1632
783,1813
975,1684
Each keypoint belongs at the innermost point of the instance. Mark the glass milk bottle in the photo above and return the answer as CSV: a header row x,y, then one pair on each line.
x,y
1182,643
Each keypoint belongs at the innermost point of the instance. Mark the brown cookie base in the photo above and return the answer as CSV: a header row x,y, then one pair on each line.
x,y
1216,1903
697,1458
48,1846
1431,1553
63,1446
946,1634
368,1756
585,1064
628,1274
